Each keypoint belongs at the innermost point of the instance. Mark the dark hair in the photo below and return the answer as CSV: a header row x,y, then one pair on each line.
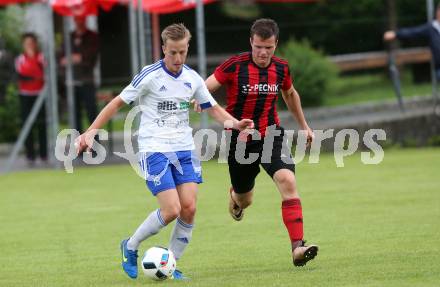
x,y
265,28
29,35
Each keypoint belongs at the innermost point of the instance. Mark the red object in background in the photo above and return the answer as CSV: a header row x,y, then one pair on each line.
x,y
75,7
33,69
173,6
170,6
90,7
81,7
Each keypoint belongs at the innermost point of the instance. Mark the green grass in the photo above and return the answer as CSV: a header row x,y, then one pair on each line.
x,y
376,225
372,87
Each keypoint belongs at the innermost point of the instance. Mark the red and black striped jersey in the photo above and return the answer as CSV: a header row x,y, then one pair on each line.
x,y
252,91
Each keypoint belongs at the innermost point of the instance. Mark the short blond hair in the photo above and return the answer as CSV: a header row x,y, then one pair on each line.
x,y
175,32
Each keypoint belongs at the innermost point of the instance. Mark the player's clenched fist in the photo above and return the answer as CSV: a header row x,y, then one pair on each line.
x,y
84,142
245,125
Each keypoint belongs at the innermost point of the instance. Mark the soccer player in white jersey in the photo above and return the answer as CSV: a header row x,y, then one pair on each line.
x,y
171,168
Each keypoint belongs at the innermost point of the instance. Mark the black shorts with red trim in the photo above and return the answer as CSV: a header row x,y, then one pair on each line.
x,y
245,158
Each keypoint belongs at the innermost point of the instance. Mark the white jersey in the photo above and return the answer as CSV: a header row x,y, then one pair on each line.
x,y
165,101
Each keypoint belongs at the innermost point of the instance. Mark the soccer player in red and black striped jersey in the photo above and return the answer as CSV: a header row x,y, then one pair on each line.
x,y
253,81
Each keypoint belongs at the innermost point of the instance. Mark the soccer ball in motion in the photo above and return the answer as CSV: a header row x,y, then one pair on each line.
x,y
158,263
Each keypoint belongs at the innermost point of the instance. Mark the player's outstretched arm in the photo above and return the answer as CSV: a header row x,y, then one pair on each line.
x,y
85,140
221,116
293,102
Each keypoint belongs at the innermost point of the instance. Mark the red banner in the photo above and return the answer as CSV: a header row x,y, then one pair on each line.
x,y
170,6
81,7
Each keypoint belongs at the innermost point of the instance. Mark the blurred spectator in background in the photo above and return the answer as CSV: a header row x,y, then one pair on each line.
x,y
6,70
30,69
85,47
430,31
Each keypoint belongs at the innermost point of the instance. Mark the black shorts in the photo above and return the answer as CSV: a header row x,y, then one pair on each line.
x,y
272,158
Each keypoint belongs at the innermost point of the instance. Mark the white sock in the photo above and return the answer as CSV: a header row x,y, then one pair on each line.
x,y
180,237
152,225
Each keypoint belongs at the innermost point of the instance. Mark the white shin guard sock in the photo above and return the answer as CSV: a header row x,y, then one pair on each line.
x,y
180,237
152,225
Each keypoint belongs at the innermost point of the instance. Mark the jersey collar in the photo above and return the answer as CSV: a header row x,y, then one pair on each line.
x,y
252,60
164,67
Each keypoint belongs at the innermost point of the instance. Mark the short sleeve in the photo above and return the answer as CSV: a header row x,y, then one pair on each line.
x,y
139,83
129,94
225,71
203,96
287,81
221,76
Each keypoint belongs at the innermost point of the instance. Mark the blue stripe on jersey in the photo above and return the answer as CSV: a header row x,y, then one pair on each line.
x,y
142,71
145,69
139,77
185,66
206,105
138,81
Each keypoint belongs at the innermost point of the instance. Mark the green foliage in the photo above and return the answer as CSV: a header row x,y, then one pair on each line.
x,y
344,26
335,26
9,116
409,143
434,141
245,10
388,144
11,19
311,71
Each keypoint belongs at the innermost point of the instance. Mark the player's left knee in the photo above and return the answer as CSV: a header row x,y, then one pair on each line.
x,y
189,209
285,179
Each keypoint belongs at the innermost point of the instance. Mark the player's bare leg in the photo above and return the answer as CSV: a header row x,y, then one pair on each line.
x,y
169,205
292,217
238,202
188,200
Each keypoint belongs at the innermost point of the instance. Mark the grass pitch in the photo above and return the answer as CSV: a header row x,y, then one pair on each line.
x,y
376,225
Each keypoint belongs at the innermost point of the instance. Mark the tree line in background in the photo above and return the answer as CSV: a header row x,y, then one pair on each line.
x,y
333,26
